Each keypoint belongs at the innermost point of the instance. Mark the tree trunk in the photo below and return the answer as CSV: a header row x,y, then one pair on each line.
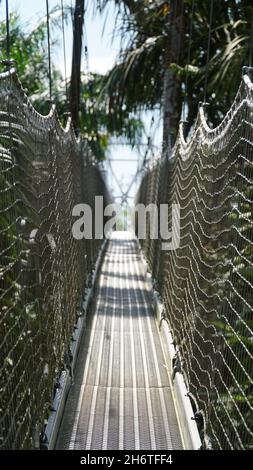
x,y
172,94
76,63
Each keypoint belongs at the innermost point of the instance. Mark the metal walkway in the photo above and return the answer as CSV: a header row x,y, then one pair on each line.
x,y
121,397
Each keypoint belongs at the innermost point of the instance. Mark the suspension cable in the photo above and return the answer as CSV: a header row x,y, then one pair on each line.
x,y
188,62
208,48
49,53
7,29
64,49
251,39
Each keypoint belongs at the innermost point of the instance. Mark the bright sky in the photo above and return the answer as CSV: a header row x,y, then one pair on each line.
x,y
102,54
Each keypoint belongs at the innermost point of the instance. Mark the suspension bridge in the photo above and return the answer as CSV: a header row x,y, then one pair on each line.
x,y
118,343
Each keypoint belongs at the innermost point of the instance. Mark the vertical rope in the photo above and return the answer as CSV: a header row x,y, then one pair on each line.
x,y
49,53
251,39
7,29
64,49
208,48
188,61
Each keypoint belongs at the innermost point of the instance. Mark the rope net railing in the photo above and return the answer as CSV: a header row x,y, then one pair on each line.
x,y
45,172
207,282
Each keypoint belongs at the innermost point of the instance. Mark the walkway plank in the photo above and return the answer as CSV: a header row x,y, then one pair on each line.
x,y
121,397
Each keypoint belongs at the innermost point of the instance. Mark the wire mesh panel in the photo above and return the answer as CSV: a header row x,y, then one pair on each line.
x,y
207,283
45,171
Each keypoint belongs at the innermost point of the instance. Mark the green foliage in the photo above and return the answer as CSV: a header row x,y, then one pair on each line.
x,y
137,79
29,50
98,121
229,52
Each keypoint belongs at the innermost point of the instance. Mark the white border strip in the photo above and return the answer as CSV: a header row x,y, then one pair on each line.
x,y
55,417
185,414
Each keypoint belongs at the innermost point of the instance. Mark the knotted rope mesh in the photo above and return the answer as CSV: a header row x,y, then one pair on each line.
x,y
207,283
45,171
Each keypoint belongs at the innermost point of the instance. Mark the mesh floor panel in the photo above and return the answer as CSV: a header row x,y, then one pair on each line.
x,y
121,396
